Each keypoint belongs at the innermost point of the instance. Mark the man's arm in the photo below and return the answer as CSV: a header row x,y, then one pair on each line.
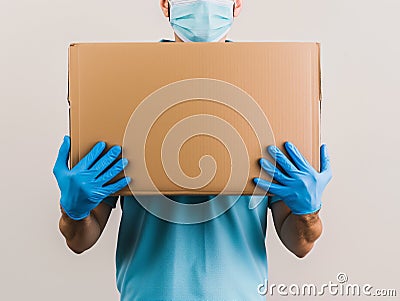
x,y
81,235
84,188
297,232
297,196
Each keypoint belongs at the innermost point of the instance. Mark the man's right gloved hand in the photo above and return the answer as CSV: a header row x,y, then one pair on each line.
x,y
83,187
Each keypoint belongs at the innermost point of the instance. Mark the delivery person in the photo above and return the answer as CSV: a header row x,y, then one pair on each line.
x,y
221,259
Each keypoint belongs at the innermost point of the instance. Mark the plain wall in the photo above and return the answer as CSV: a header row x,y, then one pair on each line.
x,y
360,68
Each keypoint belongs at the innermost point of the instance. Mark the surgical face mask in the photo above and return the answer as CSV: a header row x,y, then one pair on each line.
x,y
201,20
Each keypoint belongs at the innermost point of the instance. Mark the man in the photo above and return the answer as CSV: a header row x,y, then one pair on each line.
x,y
221,259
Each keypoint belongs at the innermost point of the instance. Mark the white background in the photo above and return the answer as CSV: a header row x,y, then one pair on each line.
x,y
360,64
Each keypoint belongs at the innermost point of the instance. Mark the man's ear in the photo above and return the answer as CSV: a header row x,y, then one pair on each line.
x,y
165,7
238,8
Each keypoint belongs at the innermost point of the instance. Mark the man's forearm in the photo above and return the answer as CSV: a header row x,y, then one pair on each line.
x,y
299,232
79,235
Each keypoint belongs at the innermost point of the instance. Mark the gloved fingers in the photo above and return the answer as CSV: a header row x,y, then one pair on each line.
x,y
104,162
273,171
62,158
297,157
282,160
113,171
91,156
325,160
276,189
117,186
326,171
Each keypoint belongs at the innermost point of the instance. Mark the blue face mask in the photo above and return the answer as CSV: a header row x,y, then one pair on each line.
x,y
201,20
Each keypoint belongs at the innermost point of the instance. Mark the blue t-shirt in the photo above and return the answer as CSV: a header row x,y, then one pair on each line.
x,y
223,259
218,260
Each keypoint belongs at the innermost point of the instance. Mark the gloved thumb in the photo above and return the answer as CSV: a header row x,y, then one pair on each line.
x,y
63,155
325,161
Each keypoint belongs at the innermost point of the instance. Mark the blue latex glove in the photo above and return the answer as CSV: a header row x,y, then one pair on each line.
x,y
83,187
300,185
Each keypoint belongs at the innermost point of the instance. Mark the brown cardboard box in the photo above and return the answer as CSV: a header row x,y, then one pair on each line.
x,y
233,82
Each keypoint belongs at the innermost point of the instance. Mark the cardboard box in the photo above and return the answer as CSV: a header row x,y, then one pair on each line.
x,y
229,82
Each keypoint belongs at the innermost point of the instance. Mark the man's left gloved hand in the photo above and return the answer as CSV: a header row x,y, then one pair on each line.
x,y
300,185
